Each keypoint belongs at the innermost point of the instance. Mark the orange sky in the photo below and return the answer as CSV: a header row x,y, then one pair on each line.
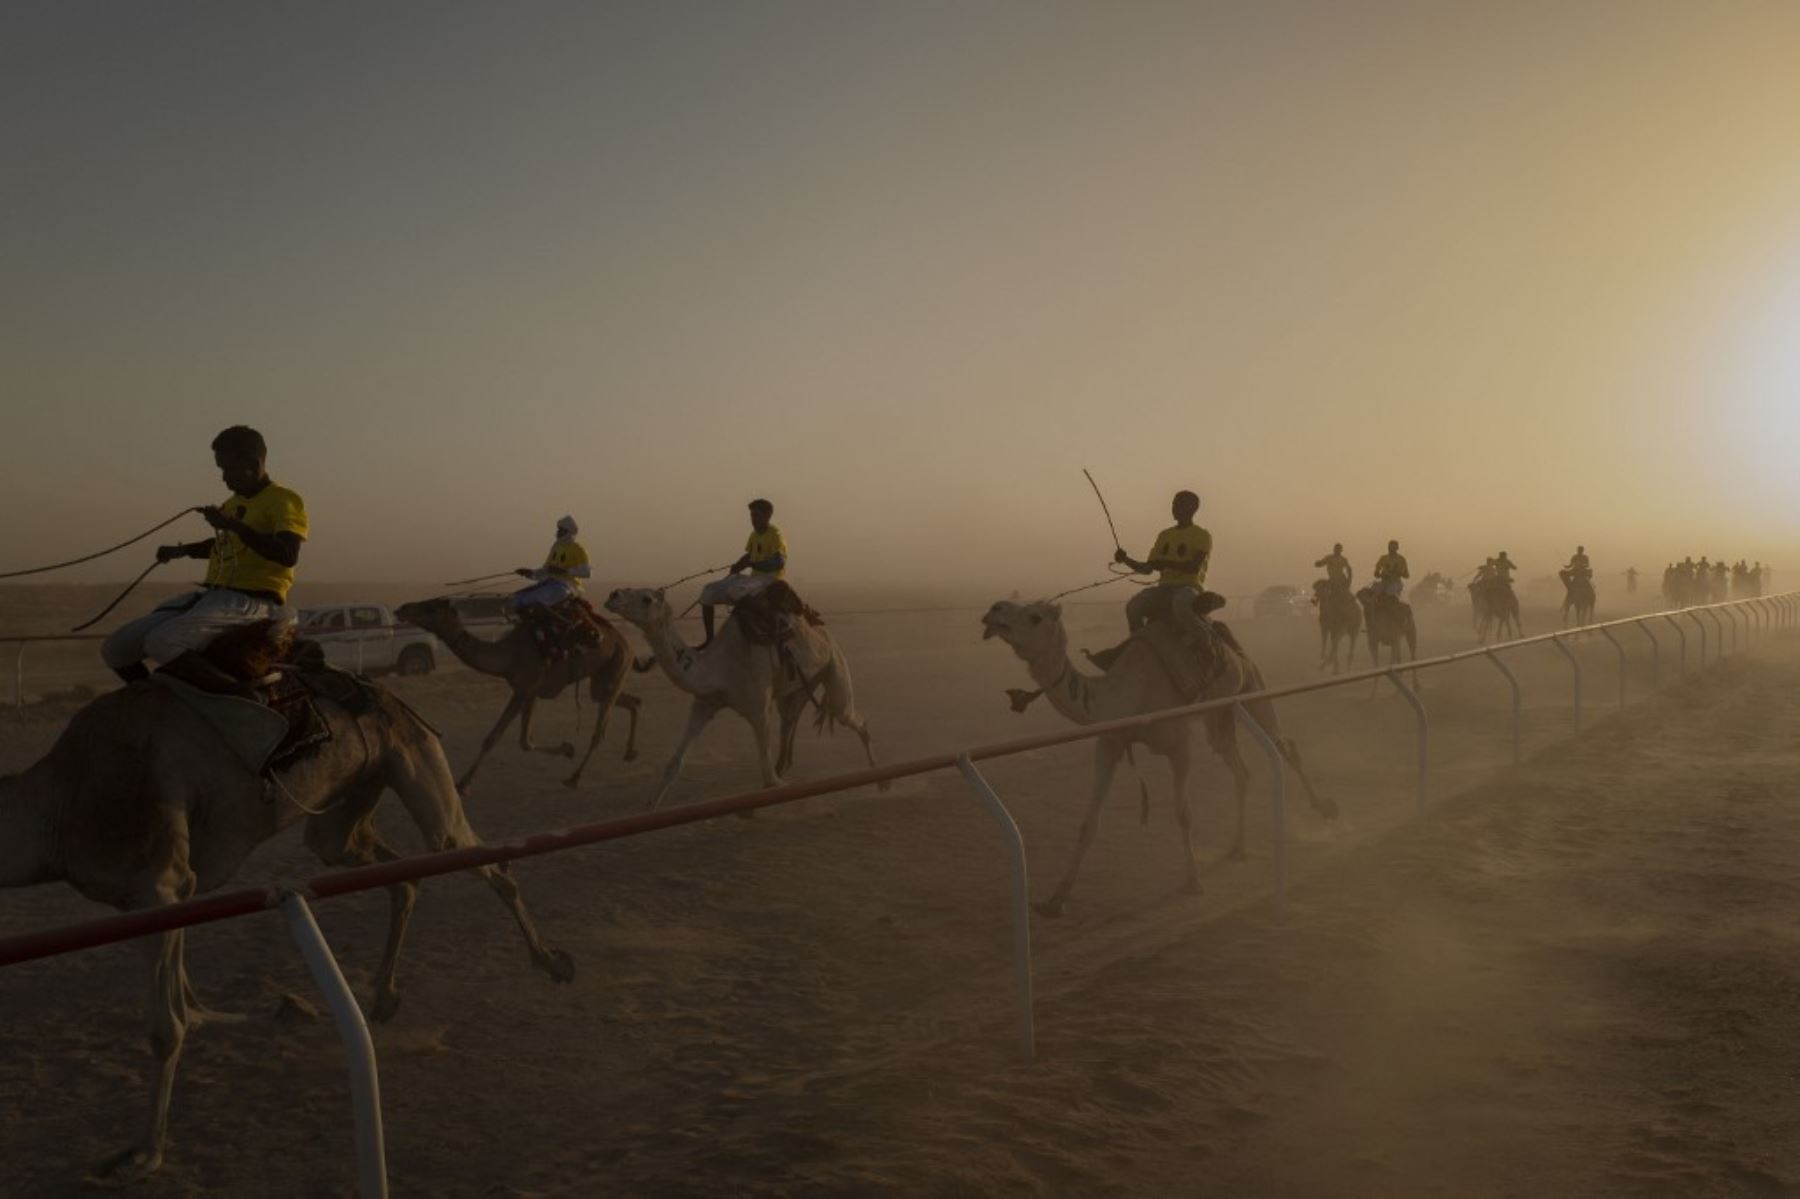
x,y
1513,275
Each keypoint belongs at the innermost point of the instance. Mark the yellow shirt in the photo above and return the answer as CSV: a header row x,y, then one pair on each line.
x,y
1189,543
1391,566
564,558
233,564
1337,567
765,545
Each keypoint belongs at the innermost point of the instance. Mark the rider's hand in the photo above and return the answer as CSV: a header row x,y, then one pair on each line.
x,y
1119,555
216,517
524,572
168,553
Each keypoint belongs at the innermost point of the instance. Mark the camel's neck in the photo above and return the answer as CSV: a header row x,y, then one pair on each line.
x,y
1079,697
26,851
682,664
485,657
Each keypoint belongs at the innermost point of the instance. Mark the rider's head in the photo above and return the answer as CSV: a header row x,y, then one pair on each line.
x,y
1581,549
1393,547
566,527
240,455
1184,505
760,512
1337,547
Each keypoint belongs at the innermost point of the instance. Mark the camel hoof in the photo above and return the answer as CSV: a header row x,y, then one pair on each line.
x,y
1050,908
1326,808
567,750
385,1006
572,782
559,965
126,1168
885,785
631,755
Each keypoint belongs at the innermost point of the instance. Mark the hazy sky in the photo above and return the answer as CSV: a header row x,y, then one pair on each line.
x,y
1471,275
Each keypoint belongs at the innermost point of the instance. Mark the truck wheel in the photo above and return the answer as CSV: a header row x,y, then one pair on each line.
x,y
414,659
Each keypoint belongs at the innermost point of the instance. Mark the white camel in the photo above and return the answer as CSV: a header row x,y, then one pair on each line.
x,y
1137,682
761,683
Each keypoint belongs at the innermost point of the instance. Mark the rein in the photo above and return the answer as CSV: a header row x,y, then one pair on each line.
x,y
38,570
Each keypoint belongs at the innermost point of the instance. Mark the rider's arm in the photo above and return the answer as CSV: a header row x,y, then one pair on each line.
x,y
769,565
283,549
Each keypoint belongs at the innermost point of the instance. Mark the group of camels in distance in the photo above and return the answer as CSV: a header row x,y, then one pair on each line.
x,y
137,806
1344,615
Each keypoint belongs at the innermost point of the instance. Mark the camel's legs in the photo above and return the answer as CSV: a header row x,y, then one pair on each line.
x,y
166,1016
421,777
766,725
346,836
1180,760
526,711
1107,753
1240,778
607,694
700,714
507,715
554,962
792,707
630,705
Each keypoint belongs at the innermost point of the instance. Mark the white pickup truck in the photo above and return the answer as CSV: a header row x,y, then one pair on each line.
x,y
367,639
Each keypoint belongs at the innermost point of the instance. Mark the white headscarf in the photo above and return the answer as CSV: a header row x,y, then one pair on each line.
x,y
566,527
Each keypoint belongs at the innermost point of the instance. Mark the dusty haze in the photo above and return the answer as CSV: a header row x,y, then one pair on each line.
x,y
1519,277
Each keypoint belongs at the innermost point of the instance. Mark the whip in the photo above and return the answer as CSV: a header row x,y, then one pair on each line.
x,y
505,574
118,599
711,570
38,570
1104,509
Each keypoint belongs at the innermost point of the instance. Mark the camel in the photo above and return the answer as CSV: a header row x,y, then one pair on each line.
x,y
140,804
1135,683
748,678
1339,617
1388,624
1578,596
516,659
1496,609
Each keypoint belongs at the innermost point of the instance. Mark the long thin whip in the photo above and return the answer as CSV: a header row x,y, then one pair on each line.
x,y
1103,508
505,574
711,570
119,599
38,570
1116,576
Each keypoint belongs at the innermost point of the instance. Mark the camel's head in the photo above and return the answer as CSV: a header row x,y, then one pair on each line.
x,y
1031,629
432,615
644,607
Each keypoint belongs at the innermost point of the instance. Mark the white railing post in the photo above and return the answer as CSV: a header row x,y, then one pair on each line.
x,y
1695,617
1277,796
1424,730
1643,626
1575,665
1681,633
1712,614
1516,705
1021,894
365,1083
1607,633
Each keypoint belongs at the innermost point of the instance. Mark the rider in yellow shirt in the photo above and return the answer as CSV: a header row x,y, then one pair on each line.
x,y
1181,554
765,558
559,577
1391,573
250,564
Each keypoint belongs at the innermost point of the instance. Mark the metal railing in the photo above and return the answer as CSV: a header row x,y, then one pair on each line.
x,y
1758,617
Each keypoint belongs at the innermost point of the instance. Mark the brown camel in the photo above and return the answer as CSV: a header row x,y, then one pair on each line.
x,y
1496,608
140,804
1340,617
1389,621
1578,598
1137,682
516,659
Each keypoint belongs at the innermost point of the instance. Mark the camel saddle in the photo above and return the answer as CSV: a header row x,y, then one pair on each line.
x,y
564,630
770,616
269,723
1190,667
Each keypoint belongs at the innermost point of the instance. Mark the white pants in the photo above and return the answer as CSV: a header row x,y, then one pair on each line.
x,y
1179,599
546,594
1393,587
735,589
188,622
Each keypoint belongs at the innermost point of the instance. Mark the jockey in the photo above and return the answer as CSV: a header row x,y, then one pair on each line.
x,y
765,557
249,569
559,578
1337,569
1391,573
1578,567
1182,553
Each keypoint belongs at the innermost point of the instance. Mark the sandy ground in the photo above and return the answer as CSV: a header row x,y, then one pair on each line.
x,y
1577,977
